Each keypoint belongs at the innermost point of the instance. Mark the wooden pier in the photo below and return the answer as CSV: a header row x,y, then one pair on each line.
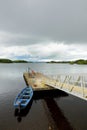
x,y
39,82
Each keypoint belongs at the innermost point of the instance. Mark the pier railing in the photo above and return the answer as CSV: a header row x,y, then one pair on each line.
x,y
73,84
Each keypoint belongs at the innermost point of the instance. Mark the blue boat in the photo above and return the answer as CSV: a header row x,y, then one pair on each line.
x,y
23,98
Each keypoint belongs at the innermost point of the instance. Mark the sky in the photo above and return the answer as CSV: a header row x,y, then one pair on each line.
x,y
43,30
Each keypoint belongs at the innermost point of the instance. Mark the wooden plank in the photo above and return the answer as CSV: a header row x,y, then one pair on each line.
x,y
37,81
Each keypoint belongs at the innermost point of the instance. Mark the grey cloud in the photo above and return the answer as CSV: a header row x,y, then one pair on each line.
x,y
56,20
13,39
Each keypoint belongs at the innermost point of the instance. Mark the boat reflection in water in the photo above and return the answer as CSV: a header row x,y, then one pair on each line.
x,y
23,112
53,112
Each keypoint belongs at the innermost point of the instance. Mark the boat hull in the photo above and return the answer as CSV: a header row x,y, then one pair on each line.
x,y
23,98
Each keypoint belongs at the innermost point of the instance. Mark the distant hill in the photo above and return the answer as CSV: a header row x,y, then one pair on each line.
x,y
5,61
20,61
11,61
80,61
59,62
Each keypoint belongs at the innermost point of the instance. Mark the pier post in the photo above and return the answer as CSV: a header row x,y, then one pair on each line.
x,y
83,85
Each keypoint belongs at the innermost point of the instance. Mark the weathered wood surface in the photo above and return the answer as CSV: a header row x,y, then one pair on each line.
x,y
37,81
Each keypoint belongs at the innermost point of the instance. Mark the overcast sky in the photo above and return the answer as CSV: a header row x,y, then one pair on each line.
x,y
43,30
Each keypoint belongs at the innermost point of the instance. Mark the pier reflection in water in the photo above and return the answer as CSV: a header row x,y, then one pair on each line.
x,y
55,93
56,117
47,97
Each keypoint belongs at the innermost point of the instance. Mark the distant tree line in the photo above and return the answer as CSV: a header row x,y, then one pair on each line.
x,y
80,61
12,61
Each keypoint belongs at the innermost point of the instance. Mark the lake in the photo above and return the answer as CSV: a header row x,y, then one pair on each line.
x,y
47,111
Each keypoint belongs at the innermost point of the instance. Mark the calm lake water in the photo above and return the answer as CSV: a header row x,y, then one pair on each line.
x,y
47,111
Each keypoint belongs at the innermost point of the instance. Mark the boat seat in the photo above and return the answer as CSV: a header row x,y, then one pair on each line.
x,y
25,97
